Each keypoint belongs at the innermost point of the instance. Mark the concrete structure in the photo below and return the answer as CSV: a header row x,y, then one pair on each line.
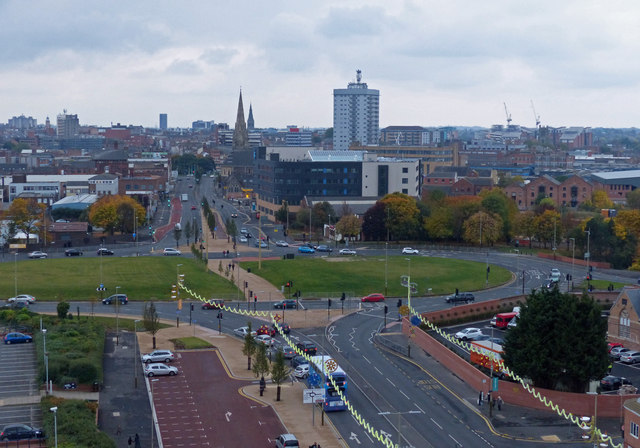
x,y
68,125
617,183
416,136
297,137
103,185
163,122
356,115
430,157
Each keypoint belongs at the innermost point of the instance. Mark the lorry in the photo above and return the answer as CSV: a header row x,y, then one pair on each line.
x,y
184,197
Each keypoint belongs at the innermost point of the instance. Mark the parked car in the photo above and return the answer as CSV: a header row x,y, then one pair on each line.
x,y
469,334
261,243
242,239
104,251
72,253
611,382
213,304
242,332
159,369
21,432
306,250
630,357
465,297
613,345
264,329
38,254
513,323
286,303
410,251
302,371
17,338
158,356
297,360
264,339
171,251
375,297
287,441
112,299
287,351
25,298
307,347
616,352
347,252
323,248
282,243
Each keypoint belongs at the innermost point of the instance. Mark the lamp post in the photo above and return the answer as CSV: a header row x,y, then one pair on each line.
x,y
135,353
117,316
55,423
386,266
15,273
153,414
46,360
588,254
573,256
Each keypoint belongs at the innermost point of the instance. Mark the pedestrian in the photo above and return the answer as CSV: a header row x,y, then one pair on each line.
x,y
118,430
137,442
500,403
480,399
488,397
129,441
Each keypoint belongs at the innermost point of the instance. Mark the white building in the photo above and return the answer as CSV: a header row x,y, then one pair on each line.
x,y
356,115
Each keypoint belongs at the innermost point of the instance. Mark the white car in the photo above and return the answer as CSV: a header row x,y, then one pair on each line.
x,y
171,251
302,371
555,275
24,298
347,252
409,250
282,243
242,331
265,339
469,334
159,369
158,356
513,322
242,239
38,254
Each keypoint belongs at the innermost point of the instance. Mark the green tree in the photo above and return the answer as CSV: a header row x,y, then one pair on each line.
x,y
548,225
176,235
559,342
633,199
321,213
232,229
282,213
249,347
349,226
279,372
525,225
150,320
260,361
374,222
187,231
62,309
495,201
404,220
438,224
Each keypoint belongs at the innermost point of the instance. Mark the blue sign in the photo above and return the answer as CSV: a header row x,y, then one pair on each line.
x,y
494,383
101,285
314,380
415,320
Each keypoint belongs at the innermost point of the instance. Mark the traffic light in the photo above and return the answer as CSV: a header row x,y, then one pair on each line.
x,y
343,297
386,309
288,284
329,303
192,307
399,303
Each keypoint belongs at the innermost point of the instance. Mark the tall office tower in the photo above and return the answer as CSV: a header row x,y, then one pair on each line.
x,y
163,122
240,133
68,125
356,115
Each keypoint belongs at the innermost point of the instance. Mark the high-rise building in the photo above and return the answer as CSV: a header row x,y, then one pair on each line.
x,y
356,115
163,122
68,125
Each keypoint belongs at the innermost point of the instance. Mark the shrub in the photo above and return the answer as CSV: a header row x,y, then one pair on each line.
x,y
83,370
62,309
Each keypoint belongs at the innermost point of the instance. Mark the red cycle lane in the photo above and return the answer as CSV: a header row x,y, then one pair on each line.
x,y
202,406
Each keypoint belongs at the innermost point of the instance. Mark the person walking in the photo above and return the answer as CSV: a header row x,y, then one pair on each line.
x,y
500,402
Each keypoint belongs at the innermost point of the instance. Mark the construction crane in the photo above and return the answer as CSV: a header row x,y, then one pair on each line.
x,y
506,111
535,116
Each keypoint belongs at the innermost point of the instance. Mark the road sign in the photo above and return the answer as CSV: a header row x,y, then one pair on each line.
x,y
494,383
330,365
312,396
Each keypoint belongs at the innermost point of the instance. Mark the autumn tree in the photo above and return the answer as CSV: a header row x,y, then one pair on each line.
x,y
633,199
438,224
484,228
547,227
496,202
600,200
349,226
462,208
25,213
403,221
117,212
525,225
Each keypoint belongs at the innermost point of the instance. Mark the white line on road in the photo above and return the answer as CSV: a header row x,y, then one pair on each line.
x,y
436,423
406,396
390,381
458,443
419,408
365,358
377,370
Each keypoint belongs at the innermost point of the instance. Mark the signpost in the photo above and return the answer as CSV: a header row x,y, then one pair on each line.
x,y
313,396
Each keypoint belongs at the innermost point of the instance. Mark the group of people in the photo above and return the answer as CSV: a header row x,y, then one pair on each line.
x,y
493,402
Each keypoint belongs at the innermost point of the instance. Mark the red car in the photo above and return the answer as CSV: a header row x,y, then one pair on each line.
x,y
376,297
213,304
193,207
614,344
269,331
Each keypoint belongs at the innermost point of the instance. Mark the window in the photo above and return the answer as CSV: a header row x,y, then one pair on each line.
x,y
633,429
405,191
405,180
405,170
624,329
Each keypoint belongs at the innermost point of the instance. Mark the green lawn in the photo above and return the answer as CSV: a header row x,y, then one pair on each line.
x,y
139,277
364,275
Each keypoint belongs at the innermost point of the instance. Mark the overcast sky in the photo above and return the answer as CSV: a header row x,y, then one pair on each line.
x,y
435,63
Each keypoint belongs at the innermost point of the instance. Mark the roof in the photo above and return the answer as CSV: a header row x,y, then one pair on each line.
x,y
105,176
77,199
617,175
336,156
69,227
111,155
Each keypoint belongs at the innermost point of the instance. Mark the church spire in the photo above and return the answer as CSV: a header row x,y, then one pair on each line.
x,y
250,123
240,134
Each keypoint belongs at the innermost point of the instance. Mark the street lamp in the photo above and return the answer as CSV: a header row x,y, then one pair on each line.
x,y
46,360
117,316
15,272
588,254
55,423
386,266
135,352
573,256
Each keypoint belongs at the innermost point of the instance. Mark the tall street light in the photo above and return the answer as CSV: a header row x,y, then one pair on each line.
x,y
588,254
386,266
55,423
15,272
573,256
46,360
135,353
117,316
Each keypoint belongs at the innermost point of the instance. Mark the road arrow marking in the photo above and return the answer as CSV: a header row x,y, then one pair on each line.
x,y
385,434
228,416
354,437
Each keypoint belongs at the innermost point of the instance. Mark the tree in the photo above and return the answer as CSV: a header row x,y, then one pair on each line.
x,y
373,222
633,199
176,235
403,220
151,321
548,225
438,224
117,212
25,214
279,372
601,200
321,213
302,218
462,208
611,243
282,213
249,347
496,201
62,309
483,228
232,229
349,226
559,342
260,362
187,231
525,225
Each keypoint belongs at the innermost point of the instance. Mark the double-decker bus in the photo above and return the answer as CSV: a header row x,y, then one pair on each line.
x,y
321,370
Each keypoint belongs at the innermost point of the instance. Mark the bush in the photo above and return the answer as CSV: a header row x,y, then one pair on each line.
x,y
62,309
83,370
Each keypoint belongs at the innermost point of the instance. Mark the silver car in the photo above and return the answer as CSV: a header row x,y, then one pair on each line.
x,y
158,356
159,369
630,357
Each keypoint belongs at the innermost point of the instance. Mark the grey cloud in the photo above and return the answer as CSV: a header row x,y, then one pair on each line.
x,y
354,22
218,56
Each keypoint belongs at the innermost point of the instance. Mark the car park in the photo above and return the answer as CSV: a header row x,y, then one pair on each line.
x,y
323,248
347,252
611,382
213,304
302,371
287,441
158,356
122,298
24,298
281,243
285,304
72,253
104,251
306,250
464,297
38,254
410,251
20,432
630,357
375,297
171,251
159,370
242,332
307,347
264,339
469,334
242,239
17,338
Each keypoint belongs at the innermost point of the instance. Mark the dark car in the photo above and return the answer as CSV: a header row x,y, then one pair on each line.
x,y
298,360
324,248
17,338
104,251
72,253
287,303
284,327
464,297
307,347
213,304
111,299
20,432
611,382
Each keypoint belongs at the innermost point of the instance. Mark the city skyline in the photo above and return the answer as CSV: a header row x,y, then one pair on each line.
x,y
434,64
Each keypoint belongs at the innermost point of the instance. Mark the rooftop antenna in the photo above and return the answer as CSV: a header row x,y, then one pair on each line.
x,y
358,75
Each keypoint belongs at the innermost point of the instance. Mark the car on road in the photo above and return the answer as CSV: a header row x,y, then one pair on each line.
x,y
282,243
298,360
158,356
244,231
306,250
347,252
213,304
264,339
122,298
616,352
630,357
234,215
287,441
410,251
284,327
193,207
469,334
20,432
375,297
323,248
287,351
261,244
17,338
285,304
24,298
37,254
171,251
302,371
104,251
611,382
159,370
307,347
72,253
264,329
242,239
465,297
555,275
242,332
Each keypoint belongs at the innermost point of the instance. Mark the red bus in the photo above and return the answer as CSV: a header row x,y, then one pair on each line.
x,y
503,319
